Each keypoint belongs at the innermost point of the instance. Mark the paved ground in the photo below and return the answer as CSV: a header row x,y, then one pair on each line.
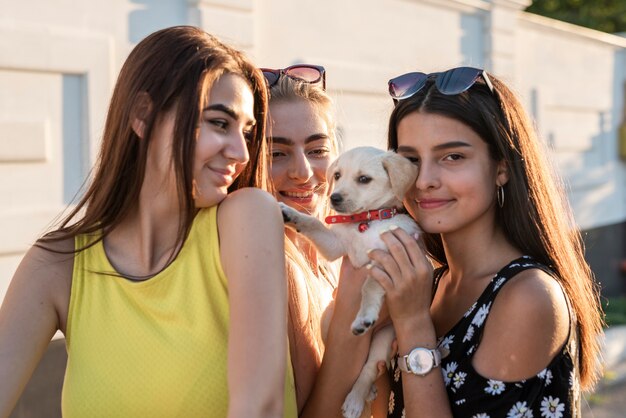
x,y
609,399
606,403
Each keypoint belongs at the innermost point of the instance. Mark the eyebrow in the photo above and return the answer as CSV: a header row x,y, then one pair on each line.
x,y
439,147
286,141
229,111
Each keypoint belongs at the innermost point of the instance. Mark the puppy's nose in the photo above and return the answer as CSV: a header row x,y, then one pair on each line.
x,y
336,198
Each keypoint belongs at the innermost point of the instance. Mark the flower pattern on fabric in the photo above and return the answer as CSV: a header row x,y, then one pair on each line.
x,y
499,283
552,408
520,410
396,375
392,402
459,379
448,373
552,393
495,387
470,310
546,375
445,342
480,316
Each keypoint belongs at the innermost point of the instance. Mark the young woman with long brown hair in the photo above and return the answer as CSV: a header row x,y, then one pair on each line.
x,y
303,142
169,288
508,324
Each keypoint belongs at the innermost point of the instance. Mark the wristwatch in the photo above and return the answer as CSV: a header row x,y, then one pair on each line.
x,y
420,361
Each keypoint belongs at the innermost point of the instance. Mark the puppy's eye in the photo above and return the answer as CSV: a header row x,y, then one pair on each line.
x,y
364,179
337,175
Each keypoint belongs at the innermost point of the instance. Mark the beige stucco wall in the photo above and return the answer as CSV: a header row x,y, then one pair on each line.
x,y
63,56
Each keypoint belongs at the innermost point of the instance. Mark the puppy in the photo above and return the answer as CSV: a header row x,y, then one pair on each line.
x,y
368,185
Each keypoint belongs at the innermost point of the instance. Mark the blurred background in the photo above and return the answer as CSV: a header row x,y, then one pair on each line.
x,y
565,58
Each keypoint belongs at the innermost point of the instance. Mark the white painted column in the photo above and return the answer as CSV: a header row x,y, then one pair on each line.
x,y
230,20
501,36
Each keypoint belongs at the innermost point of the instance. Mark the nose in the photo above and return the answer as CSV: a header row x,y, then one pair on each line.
x,y
336,198
236,149
300,167
427,177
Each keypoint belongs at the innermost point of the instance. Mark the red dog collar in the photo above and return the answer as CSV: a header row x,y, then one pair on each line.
x,y
364,217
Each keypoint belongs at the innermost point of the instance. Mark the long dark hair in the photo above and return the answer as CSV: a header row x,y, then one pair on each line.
x,y
536,217
172,68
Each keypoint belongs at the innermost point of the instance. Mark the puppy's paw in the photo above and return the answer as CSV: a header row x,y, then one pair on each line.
x,y
361,324
353,405
372,395
290,215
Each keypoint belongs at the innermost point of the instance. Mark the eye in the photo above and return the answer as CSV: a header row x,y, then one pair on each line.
x,y
364,179
337,175
453,157
414,160
319,152
248,135
277,153
219,123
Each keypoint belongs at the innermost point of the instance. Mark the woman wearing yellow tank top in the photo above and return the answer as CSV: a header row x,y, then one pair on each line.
x,y
171,291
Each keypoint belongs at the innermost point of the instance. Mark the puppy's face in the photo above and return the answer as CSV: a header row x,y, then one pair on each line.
x,y
361,179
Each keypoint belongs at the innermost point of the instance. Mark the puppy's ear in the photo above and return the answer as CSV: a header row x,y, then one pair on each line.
x,y
402,173
330,176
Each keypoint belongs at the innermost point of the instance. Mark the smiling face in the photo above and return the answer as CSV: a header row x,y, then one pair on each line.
x,y
221,148
456,185
302,148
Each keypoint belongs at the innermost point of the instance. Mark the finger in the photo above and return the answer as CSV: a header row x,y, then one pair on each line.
x,y
381,277
382,369
385,261
398,251
413,247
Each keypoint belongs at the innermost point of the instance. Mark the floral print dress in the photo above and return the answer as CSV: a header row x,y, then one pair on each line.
x,y
552,393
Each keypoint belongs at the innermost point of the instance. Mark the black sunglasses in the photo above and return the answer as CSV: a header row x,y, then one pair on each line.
x,y
451,82
308,73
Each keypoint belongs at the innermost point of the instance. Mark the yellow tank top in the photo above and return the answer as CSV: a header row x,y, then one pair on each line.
x,y
153,348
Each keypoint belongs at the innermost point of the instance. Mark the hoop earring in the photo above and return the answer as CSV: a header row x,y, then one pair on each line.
x,y
500,196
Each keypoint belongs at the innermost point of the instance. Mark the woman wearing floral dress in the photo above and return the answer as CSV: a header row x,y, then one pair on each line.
x,y
508,324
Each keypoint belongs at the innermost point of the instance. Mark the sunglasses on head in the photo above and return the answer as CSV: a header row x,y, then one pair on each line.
x,y
451,82
307,73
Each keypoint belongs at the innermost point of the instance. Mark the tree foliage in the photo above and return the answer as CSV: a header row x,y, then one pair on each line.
x,y
604,15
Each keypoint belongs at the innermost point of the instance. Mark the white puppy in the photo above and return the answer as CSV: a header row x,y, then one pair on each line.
x,y
368,185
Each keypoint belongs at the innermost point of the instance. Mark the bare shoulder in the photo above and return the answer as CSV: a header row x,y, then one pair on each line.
x,y
531,292
49,261
44,276
527,326
248,201
250,229
249,213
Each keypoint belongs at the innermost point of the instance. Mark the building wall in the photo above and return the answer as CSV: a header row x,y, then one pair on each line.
x,y
59,61
58,67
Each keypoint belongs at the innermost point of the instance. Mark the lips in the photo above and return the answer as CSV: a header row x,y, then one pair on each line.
x,y
223,176
432,203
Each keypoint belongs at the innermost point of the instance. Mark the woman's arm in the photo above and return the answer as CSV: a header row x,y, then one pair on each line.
x,y
252,249
29,317
407,277
344,354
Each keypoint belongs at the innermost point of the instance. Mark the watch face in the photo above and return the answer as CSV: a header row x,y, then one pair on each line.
x,y
420,361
